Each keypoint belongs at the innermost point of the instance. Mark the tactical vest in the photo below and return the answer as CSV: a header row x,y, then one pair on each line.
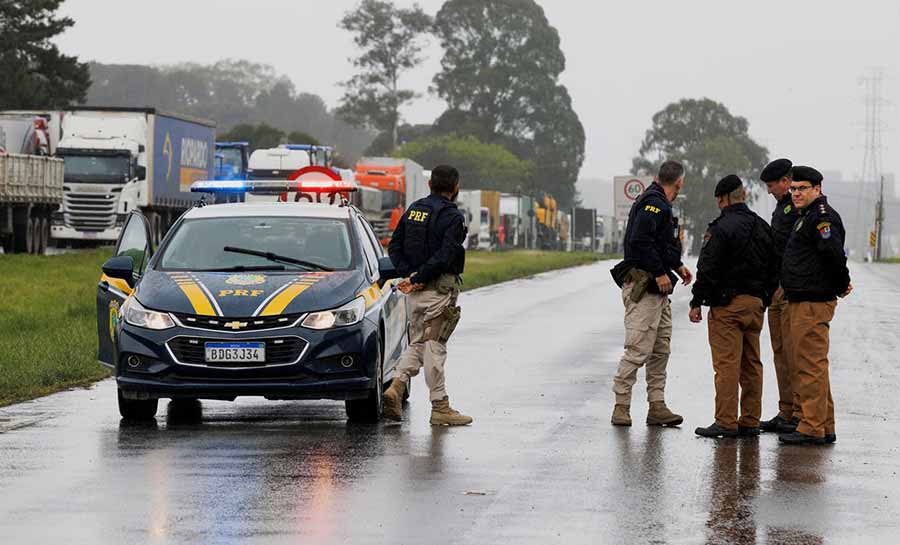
x,y
420,240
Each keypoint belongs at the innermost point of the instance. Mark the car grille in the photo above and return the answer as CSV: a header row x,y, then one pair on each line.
x,y
90,211
279,351
238,325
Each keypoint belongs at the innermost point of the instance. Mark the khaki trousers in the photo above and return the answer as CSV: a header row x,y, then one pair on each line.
x,y
424,306
780,333
648,334
810,325
734,342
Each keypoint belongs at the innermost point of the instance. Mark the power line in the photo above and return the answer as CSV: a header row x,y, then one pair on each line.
x,y
872,161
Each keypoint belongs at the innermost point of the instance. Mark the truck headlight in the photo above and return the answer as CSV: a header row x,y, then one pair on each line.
x,y
135,314
349,314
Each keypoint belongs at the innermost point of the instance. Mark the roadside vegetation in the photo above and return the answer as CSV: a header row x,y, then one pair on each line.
x,y
48,327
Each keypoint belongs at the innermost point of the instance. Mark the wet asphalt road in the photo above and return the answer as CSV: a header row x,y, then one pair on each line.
x,y
533,362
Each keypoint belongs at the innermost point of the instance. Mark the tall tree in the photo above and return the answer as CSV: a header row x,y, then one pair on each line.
x,y
712,143
500,78
391,40
35,74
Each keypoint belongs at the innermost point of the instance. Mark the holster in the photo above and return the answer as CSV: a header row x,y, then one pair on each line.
x,y
443,325
639,279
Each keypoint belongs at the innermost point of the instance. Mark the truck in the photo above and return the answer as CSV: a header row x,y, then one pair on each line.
x,y
31,189
490,201
401,182
232,160
547,220
121,159
469,202
280,162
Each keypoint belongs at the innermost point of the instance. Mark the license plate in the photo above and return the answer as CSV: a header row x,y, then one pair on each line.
x,y
90,234
235,352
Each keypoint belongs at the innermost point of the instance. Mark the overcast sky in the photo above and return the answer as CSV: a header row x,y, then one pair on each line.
x,y
792,68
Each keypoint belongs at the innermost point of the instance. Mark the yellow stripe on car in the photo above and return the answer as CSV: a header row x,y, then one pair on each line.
x,y
277,305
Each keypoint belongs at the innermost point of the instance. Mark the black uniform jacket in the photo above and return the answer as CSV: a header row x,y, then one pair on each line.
x,y
814,266
738,258
428,241
651,239
783,219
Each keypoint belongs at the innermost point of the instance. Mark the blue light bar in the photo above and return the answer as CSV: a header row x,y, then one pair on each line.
x,y
219,186
305,147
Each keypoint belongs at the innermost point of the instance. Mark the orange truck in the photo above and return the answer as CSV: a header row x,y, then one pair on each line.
x,y
401,182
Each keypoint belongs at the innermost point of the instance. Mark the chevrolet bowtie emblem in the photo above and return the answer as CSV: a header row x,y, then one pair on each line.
x,y
235,325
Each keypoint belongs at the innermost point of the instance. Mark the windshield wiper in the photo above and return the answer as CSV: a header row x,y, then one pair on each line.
x,y
244,268
278,258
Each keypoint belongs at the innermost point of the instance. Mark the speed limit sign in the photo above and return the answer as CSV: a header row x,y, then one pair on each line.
x,y
627,190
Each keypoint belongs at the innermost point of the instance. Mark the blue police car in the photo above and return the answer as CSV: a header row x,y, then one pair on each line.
x,y
280,300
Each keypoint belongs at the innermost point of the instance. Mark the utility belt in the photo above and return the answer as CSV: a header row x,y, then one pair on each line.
x,y
444,283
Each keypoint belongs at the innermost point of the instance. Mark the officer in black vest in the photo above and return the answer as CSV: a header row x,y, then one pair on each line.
x,y
428,249
652,252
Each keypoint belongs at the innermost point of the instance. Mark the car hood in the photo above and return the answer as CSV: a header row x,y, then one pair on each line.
x,y
244,295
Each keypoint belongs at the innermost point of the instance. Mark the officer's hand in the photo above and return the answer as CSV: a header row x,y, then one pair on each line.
x,y
405,286
685,274
849,289
664,283
696,315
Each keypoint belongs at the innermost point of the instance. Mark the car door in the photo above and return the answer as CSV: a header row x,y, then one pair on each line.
x,y
134,241
394,304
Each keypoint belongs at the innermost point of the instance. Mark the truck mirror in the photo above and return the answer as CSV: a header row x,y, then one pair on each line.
x,y
121,267
141,148
140,172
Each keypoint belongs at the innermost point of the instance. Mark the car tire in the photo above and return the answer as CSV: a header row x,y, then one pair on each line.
x,y
137,409
369,408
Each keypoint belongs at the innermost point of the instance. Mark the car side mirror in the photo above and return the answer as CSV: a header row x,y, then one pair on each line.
x,y
121,267
386,270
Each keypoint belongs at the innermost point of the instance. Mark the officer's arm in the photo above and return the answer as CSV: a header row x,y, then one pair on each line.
x,y
709,267
451,249
395,248
648,222
830,242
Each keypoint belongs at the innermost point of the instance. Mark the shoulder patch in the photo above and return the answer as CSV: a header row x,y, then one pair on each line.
x,y
824,229
651,208
706,236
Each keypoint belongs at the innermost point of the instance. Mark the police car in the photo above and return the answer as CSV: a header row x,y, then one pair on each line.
x,y
282,300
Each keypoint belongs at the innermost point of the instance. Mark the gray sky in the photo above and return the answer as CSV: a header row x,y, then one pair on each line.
x,y
792,68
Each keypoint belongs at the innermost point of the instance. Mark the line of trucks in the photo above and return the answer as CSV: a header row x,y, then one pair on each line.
x,y
71,177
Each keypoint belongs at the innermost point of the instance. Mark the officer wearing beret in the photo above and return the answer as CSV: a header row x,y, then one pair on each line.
x,y
736,278
813,274
777,177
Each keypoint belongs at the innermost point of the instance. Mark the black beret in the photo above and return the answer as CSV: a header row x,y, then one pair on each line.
x,y
728,184
807,174
776,170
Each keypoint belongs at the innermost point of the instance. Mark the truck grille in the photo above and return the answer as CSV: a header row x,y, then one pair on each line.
x,y
279,351
237,325
90,211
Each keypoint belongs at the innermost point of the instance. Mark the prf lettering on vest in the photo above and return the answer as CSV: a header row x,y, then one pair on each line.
x,y
650,208
415,215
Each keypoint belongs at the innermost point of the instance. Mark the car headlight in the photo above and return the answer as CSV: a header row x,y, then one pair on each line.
x,y
349,314
135,314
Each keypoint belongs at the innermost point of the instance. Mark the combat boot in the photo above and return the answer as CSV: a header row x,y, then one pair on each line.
x,y
621,415
393,400
443,415
660,415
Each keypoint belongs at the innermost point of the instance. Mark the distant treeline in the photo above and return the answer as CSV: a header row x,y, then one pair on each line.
x,y
231,93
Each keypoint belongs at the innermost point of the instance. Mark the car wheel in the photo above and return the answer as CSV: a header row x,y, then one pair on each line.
x,y
137,409
369,409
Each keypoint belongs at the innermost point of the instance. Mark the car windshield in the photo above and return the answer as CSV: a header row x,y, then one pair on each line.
x,y
199,244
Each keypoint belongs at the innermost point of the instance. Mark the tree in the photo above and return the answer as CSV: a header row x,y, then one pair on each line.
x,y
260,136
711,143
35,73
499,76
481,166
300,137
391,43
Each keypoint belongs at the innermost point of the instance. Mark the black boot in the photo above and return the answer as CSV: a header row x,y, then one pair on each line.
x,y
797,438
830,438
747,431
789,426
772,425
716,430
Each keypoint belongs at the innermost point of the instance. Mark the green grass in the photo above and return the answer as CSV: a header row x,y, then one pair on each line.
x,y
891,260
486,268
48,325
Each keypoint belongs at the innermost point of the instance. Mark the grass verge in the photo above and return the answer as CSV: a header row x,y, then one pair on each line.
x,y
48,325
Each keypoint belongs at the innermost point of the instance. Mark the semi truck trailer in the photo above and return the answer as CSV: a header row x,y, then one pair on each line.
x,y
31,189
121,159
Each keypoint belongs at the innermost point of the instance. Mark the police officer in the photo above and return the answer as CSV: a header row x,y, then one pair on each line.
x,y
777,177
652,252
427,248
813,274
736,278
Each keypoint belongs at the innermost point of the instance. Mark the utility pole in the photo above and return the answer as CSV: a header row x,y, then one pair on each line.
x,y
871,167
879,221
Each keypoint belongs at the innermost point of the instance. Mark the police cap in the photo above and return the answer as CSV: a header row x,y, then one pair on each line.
x,y
728,184
807,174
776,170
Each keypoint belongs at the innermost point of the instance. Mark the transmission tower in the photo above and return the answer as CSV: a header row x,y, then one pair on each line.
x,y
871,168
